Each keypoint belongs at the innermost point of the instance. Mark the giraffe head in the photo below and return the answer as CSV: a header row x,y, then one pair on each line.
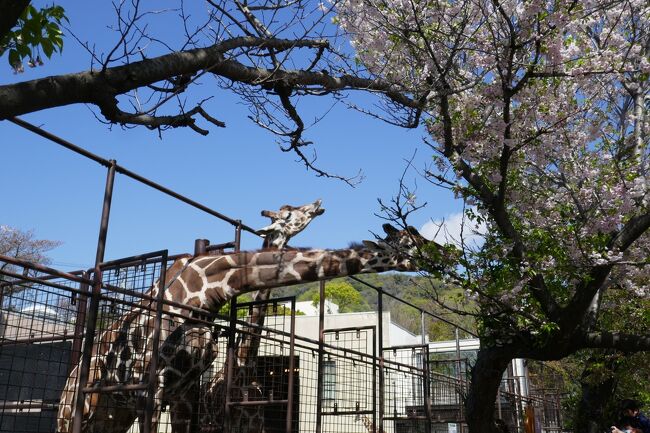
x,y
288,222
398,248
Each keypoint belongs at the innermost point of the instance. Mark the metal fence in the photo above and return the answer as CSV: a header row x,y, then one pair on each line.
x,y
116,334
103,350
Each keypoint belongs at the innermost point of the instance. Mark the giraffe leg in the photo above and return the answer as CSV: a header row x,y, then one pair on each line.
x,y
193,352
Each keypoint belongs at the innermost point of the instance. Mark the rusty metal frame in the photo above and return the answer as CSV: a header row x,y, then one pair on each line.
x,y
89,294
373,356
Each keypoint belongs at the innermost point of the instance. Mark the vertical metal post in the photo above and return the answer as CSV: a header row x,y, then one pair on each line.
x,y
292,367
382,379
460,378
426,381
152,381
231,352
200,246
374,376
82,304
238,236
230,364
321,345
83,372
106,213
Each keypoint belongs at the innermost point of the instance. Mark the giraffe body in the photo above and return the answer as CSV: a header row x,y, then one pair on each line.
x,y
186,350
205,282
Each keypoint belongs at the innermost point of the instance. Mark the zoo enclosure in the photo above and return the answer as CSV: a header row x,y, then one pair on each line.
x,y
53,319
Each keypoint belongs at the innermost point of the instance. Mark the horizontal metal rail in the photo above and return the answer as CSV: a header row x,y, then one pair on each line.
x,y
45,269
258,403
8,406
442,319
28,340
115,388
118,168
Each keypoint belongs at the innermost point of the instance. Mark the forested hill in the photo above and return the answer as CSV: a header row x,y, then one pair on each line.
x,y
351,295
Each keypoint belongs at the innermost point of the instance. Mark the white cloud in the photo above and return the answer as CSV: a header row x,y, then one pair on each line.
x,y
448,230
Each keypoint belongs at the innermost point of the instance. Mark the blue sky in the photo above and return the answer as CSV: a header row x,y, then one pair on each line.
x,y
238,170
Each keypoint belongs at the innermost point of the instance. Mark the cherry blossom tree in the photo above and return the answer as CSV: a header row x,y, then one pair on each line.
x,y
270,53
536,113
22,245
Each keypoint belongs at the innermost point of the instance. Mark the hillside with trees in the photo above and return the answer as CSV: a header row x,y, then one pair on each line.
x,y
414,289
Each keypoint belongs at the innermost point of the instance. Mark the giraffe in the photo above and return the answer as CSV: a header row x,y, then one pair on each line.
x,y
189,343
207,282
285,224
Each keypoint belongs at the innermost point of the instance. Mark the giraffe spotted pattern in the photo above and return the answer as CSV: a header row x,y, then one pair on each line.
x,y
205,282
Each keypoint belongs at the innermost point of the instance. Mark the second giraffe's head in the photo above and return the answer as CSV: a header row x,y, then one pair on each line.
x,y
401,247
288,222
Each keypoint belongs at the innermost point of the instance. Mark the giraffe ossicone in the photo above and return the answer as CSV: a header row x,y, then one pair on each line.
x,y
205,282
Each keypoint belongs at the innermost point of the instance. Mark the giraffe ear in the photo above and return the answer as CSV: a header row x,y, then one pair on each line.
x,y
270,214
371,245
389,229
412,230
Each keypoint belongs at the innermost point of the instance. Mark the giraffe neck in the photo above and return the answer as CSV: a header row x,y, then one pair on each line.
x,y
208,282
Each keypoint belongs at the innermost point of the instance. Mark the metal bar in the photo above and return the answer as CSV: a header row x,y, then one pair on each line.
x,y
200,246
349,412
39,281
352,328
231,350
152,381
258,403
58,140
41,268
321,341
9,406
135,260
184,199
379,289
382,379
40,277
460,378
290,379
127,172
86,354
82,305
230,363
374,376
115,388
220,246
426,383
30,340
83,371
238,228
249,304
106,213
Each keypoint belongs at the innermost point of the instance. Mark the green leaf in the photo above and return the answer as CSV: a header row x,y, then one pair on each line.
x,y
23,50
48,48
14,58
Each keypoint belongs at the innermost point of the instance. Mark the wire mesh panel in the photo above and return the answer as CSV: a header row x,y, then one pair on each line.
x,y
405,393
449,378
180,382
264,376
349,377
123,338
37,331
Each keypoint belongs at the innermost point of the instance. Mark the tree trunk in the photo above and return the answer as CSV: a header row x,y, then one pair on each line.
x,y
486,379
593,411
